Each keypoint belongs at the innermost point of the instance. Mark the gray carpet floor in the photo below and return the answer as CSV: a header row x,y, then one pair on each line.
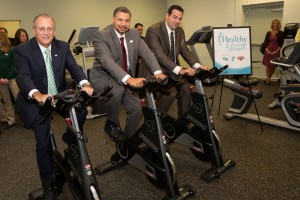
x,y
267,163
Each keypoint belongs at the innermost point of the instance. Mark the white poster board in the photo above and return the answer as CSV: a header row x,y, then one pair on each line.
x,y
232,47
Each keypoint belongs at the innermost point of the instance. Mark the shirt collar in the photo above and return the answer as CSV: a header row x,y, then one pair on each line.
x,y
169,30
44,48
119,35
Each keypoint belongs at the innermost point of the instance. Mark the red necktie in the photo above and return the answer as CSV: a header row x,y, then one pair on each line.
x,y
124,55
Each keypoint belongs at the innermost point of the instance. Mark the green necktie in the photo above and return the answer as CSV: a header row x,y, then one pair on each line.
x,y
50,75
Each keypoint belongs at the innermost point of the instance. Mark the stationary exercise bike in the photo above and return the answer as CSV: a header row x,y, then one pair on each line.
x,y
289,98
73,166
195,129
147,148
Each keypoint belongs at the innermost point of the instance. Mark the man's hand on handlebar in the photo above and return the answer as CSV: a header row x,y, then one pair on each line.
x,y
160,76
41,98
88,89
135,82
189,71
203,67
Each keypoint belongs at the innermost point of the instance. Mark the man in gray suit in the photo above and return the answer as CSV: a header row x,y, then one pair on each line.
x,y
167,40
115,65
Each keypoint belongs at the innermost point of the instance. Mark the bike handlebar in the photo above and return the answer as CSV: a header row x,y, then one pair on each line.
x,y
69,97
212,73
151,84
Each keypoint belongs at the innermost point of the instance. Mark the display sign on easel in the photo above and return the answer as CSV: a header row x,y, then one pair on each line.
x,y
232,47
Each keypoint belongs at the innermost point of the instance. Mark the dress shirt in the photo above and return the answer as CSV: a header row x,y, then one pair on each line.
x,y
177,68
44,55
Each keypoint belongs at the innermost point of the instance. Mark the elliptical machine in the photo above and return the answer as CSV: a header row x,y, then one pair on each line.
x,y
195,129
287,71
74,167
147,148
290,96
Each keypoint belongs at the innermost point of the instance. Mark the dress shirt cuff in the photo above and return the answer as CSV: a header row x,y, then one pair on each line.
x,y
31,93
197,65
84,82
158,72
176,70
124,80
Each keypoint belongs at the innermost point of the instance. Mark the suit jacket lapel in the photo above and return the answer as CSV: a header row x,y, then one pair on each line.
x,y
166,40
117,44
130,48
40,61
177,41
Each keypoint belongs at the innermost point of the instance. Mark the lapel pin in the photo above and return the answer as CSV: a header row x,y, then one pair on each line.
x,y
131,41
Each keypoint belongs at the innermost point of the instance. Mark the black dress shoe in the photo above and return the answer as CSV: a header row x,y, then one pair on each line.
x,y
113,131
50,193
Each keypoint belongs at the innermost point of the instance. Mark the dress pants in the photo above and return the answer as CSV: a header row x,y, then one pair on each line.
x,y
41,129
44,152
181,92
121,95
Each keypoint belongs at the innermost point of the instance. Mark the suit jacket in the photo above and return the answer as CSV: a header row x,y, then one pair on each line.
x,y
32,74
157,39
108,61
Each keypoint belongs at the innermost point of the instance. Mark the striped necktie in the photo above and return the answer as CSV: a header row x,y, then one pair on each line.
x,y
50,75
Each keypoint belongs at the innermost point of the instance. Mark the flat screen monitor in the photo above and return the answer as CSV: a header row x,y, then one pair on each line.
x,y
202,35
290,30
86,34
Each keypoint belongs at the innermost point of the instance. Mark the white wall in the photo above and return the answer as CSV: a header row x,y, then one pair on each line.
x,y
198,13
72,14
290,11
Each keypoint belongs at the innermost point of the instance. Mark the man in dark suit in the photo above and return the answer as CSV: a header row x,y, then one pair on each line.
x,y
140,27
33,80
115,65
166,50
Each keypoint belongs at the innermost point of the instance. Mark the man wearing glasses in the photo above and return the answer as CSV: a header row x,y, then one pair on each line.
x,y
41,64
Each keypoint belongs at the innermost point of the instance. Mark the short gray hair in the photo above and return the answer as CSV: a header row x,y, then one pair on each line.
x,y
43,15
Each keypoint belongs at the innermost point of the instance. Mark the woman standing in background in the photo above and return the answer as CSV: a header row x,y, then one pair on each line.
x,y
274,40
21,36
7,72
